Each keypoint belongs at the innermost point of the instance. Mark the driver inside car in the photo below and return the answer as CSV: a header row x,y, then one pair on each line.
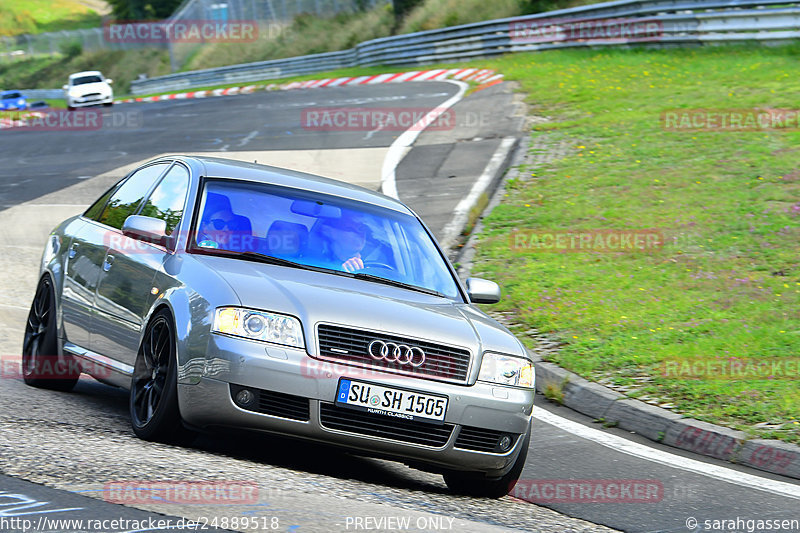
x,y
344,240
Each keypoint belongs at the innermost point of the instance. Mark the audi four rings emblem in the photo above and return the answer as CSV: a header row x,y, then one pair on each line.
x,y
396,353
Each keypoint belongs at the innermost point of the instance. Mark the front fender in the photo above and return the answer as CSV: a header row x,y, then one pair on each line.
x,y
191,292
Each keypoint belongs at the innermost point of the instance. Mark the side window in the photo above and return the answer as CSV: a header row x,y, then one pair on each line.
x,y
96,209
168,199
125,201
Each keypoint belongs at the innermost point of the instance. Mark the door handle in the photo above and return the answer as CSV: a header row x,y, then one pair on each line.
x,y
108,262
73,250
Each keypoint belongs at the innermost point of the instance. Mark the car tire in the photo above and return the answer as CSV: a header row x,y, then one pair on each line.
x,y
70,108
41,365
153,401
478,485
108,104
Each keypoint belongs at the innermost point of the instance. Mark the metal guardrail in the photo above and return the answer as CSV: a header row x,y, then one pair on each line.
x,y
262,70
680,23
42,94
51,43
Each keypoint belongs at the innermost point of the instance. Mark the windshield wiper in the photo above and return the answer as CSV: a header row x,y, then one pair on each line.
x,y
272,260
387,281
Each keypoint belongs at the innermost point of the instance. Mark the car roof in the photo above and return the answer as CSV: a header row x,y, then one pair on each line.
x,y
86,73
217,167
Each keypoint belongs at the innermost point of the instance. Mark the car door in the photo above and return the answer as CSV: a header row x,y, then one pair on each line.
x,y
80,282
82,271
124,292
88,250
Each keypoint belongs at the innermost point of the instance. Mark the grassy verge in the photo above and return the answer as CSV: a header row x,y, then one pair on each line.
x,y
18,17
726,283
52,72
308,34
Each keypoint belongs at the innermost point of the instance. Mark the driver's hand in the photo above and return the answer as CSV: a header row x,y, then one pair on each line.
x,y
353,264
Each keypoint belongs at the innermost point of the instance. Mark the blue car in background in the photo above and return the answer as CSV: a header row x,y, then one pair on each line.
x,y
12,100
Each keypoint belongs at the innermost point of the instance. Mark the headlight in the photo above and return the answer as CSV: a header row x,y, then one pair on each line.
x,y
506,370
259,326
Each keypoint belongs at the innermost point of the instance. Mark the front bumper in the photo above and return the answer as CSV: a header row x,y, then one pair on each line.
x,y
90,101
206,401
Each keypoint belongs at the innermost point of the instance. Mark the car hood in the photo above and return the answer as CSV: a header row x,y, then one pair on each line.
x,y
316,297
86,88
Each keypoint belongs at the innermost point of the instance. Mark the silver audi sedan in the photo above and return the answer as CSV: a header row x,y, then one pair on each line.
x,y
226,294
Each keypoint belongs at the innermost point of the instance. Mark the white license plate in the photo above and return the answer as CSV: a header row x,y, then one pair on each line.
x,y
391,401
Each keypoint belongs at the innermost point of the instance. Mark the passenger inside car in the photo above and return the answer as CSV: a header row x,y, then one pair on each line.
x,y
220,227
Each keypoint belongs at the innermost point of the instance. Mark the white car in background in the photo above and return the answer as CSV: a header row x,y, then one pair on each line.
x,y
88,88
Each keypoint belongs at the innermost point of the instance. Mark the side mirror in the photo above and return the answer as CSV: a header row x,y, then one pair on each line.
x,y
148,229
65,87
483,291
109,81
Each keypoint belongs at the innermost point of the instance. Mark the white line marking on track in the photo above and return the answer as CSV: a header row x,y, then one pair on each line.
x,y
250,136
373,132
635,449
397,149
461,212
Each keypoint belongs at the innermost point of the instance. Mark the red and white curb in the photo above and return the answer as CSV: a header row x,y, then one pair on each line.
x,y
18,122
483,77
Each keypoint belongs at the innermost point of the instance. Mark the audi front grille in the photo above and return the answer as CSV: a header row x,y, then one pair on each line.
x,y
351,421
393,353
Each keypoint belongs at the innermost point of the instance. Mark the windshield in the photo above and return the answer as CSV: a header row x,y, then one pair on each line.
x,y
11,95
321,231
86,79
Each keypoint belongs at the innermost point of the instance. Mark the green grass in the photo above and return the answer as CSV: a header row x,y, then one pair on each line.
x,y
52,72
18,17
727,282
305,35
433,14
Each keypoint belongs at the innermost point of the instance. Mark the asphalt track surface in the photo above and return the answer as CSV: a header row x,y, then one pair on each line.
x,y
38,162
80,440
